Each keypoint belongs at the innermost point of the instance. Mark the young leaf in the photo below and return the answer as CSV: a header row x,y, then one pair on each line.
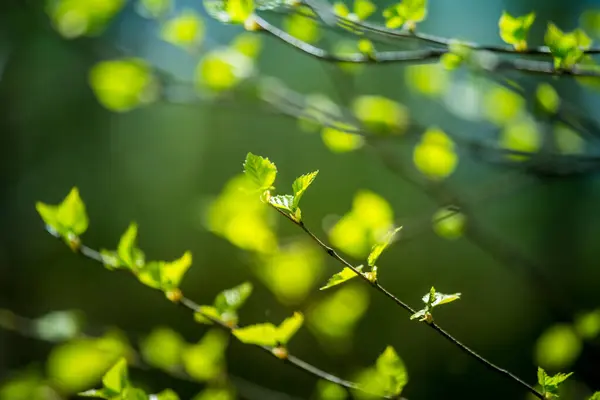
x,y
127,251
300,185
260,170
289,327
380,247
363,9
431,300
166,394
259,334
341,277
391,367
284,202
232,299
151,274
207,311
566,47
116,379
229,11
172,272
514,30
595,396
550,384
67,218
184,30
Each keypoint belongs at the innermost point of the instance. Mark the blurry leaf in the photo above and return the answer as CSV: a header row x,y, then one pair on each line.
x,y
547,98
502,105
340,9
330,391
205,360
67,218
132,393
127,250
380,247
24,385
81,363
223,69
590,21
162,348
284,202
521,135
58,326
566,47
268,334
587,324
366,47
339,141
248,44
550,384
595,396
300,185
229,11
514,30
407,11
558,347
172,272
363,9
334,317
567,140
449,223
153,8
429,80
122,85
232,299
116,379
215,394
151,274
167,394
393,371
341,277
451,61
381,115
302,28
185,30
435,155
260,170
74,18
207,311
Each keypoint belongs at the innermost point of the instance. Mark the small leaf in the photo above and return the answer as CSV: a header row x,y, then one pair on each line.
x,y
259,334
440,298
550,384
435,156
363,9
166,394
67,218
162,348
150,274
172,272
392,369
185,30
284,202
132,393
207,311
514,30
547,98
289,327
341,277
127,251
449,223
595,396
232,299
300,185
260,170
229,11
116,380
380,247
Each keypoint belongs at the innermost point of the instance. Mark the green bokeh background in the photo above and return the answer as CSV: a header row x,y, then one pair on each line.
x,y
159,164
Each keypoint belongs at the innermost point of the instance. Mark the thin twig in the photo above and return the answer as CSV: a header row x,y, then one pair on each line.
x,y
376,285
189,304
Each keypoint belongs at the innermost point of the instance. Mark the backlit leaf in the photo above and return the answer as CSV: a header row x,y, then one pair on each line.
x,y
127,251
260,170
284,202
550,384
514,30
435,156
234,298
341,277
300,185
288,328
380,247
187,29
391,367
116,379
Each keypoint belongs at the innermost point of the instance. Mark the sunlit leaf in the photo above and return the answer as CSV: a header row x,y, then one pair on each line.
x,y
268,334
223,69
162,348
595,396
550,384
122,85
432,300
514,30
380,247
435,155
587,324
501,105
248,44
127,250
429,79
288,328
206,360
187,29
300,185
363,9
260,170
547,98
234,298
406,12
340,141
302,28
521,135
558,347
116,379
381,115
567,48
391,367
167,394
172,272
74,18
284,202
341,277
229,11
449,223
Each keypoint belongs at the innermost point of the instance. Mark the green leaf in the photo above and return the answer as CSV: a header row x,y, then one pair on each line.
x,y
150,274
162,348
185,30
268,334
260,170
67,218
204,311
434,298
127,251
449,223
172,272
116,379
340,9
435,156
595,396
558,347
289,327
132,393
284,202
300,185
363,9
232,299
205,360
330,391
97,393
153,8
567,48
229,11
341,277
166,394
550,384
514,30
391,367
380,247
407,11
